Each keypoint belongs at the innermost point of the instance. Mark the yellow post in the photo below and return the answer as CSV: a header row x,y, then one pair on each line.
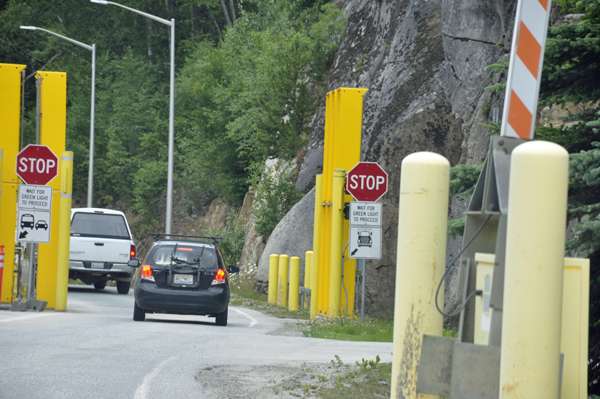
x,y
343,123
53,103
533,285
10,118
64,230
307,270
314,276
294,283
273,265
1,167
337,243
282,284
421,255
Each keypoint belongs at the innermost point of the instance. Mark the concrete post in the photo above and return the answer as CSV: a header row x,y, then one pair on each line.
x,y
282,285
421,255
535,242
64,231
337,244
294,283
314,276
273,271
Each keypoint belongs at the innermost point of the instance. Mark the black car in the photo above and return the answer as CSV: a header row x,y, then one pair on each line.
x,y
182,275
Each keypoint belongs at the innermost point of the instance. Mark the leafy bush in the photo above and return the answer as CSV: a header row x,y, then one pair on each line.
x,y
275,195
233,236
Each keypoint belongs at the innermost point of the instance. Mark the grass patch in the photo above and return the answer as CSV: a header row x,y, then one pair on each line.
x,y
369,379
347,328
344,328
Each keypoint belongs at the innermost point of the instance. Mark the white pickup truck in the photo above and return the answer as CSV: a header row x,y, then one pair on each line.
x,y
101,246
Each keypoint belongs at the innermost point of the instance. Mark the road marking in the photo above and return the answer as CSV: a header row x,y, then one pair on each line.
x,y
142,391
253,321
32,316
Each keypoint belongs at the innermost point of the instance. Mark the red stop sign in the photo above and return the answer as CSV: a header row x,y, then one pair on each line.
x,y
367,181
37,164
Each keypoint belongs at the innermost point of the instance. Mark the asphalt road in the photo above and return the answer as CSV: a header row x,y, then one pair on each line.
x,y
96,350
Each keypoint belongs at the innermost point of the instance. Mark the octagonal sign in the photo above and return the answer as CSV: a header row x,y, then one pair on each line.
x,y
37,164
367,181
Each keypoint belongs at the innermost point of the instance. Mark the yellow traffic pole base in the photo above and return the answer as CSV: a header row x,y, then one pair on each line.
x,y
421,255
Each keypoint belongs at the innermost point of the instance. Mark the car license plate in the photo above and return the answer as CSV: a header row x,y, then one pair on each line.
x,y
184,278
96,265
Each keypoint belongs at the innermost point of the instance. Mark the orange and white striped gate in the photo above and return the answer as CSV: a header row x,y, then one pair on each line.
x,y
525,69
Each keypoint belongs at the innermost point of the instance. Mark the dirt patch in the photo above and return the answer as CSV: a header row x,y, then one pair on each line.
x,y
269,381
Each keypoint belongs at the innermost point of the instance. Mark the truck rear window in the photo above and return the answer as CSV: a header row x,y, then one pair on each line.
x,y
99,225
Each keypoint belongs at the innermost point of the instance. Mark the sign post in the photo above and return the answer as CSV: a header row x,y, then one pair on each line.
x,y
366,182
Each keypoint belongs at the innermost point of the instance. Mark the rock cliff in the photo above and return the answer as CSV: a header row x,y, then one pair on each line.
x,y
423,62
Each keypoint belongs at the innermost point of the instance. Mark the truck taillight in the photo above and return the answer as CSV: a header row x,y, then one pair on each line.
x,y
219,277
147,274
132,252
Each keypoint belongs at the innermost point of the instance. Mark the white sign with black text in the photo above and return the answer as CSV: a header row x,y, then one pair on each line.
x,y
365,242
365,213
34,197
33,226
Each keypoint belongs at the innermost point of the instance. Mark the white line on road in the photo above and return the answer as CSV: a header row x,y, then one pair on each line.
x,y
30,316
253,321
142,391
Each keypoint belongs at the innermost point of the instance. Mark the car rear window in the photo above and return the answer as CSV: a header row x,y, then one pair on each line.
x,y
99,225
191,255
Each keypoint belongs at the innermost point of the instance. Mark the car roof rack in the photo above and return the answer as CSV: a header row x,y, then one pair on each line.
x,y
215,240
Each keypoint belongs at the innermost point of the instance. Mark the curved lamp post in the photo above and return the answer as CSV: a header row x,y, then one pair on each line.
x,y
92,119
171,103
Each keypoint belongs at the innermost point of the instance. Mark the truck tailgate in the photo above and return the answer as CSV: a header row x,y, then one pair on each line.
x,y
93,249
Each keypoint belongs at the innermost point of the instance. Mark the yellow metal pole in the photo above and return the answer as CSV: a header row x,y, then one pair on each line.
x,y
53,122
421,255
282,284
533,285
64,231
10,118
314,276
307,270
1,167
294,283
337,244
273,266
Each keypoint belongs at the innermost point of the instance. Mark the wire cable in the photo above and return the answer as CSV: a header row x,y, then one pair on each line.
x,y
472,294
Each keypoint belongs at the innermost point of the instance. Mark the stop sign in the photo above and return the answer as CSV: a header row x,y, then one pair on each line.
x,y
37,164
367,181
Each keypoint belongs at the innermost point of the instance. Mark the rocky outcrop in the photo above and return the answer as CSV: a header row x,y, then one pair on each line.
x,y
423,63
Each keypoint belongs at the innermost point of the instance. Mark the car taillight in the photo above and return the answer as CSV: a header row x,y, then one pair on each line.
x,y
132,252
219,277
147,273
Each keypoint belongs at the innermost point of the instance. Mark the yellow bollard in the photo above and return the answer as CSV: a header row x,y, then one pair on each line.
x,y
315,267
64,231
1,167
282,279
307,267
421,255
533,285
294,283
273,266
337,244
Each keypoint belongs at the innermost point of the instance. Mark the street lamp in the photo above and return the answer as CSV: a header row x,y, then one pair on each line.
x,y
171,103
92,116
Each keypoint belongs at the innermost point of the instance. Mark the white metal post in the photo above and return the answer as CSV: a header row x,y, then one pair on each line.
x,y
171,104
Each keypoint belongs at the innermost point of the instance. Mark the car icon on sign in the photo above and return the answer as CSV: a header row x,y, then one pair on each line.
x,y
41,224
